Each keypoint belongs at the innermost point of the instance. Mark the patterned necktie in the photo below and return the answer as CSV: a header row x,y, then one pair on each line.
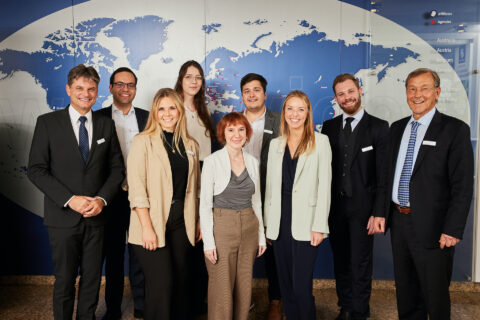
x,y
83,139
347,130
404,184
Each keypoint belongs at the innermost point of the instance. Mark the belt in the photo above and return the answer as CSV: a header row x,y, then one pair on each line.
x,y
405,210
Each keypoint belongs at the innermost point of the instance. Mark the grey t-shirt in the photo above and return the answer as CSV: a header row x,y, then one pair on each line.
x,y
238,193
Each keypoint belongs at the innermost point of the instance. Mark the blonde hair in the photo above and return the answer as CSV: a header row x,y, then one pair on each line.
x,y
153,126
307,143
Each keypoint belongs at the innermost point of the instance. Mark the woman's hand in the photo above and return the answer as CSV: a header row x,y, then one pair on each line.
x,y
149,239
211,255
261,250
198,232
316,238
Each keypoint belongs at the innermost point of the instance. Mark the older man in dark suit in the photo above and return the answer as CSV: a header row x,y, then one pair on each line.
x,y
430,185
129,121
76,161
359,149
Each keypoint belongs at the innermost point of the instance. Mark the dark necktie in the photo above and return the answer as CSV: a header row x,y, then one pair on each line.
x,y
404,184
83,139
347,130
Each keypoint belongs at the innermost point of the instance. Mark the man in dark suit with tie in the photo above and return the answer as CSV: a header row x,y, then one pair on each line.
x,y
359,150
76,161
430,185
129,121
266,125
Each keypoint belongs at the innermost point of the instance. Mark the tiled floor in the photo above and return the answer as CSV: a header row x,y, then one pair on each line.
x,y
34,302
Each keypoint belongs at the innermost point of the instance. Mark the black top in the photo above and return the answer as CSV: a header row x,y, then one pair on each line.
x,y
178,164
289,167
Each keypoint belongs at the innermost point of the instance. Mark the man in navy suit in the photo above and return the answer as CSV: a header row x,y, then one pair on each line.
x,y
76,161
359,149
430,188
129,121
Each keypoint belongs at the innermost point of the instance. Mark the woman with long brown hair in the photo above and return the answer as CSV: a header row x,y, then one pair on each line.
x,y
299,174
164,178
190,86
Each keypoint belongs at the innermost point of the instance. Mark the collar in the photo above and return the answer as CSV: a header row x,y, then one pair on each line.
x,y
115,109
74,114
358,116
425,119
261,118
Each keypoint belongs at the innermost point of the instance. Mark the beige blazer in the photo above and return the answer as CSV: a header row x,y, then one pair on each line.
x,y
150,186
311,190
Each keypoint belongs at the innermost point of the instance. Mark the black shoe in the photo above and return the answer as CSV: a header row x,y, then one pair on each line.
x,y
112,316
344,315
138,314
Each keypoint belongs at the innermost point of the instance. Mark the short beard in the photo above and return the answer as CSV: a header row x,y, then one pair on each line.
x,y
355,107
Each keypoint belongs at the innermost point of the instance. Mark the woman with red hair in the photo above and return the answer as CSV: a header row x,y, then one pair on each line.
x,y
231,220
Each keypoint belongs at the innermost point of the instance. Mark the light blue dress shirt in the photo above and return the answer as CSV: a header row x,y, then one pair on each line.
x,y
402,152
356,119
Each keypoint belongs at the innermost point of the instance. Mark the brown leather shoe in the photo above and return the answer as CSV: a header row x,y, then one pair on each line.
x,y
275,310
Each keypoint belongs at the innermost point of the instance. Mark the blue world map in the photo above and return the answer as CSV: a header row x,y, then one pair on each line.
x,y
308,62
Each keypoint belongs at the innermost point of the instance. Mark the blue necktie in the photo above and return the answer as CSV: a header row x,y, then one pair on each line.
x,y
83,139
404,184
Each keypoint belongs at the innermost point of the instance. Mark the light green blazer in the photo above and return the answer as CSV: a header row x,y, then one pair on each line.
x,y
310,194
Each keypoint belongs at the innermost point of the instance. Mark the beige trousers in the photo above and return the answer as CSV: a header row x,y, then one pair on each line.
x,y
230,279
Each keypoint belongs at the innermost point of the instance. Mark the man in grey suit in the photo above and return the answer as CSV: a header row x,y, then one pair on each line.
x,y
265,124
129,121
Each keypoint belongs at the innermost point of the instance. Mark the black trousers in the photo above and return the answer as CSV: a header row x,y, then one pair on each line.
x,y
295,263
352,250
167,271
272,274
199,278
118,221
422,275
73,248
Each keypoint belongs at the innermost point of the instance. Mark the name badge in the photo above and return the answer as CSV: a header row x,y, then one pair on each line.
x,y
367,148
190,152
268,131
429,143
100,141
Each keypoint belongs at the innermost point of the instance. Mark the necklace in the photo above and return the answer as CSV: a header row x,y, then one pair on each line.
x,y
170,145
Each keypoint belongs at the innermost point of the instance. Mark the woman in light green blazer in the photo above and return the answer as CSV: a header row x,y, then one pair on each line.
x,y
297,202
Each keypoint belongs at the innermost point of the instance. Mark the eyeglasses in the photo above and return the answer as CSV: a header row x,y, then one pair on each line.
x,y
120,85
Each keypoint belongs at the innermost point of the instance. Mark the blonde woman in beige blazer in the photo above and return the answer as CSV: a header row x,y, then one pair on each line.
x,y
163,178
297,203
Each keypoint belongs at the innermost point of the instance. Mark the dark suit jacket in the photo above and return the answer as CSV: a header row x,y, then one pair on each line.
x,y
272,124
56,166
140,114
368,168
441,186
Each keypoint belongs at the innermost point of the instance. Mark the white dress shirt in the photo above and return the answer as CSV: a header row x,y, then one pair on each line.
x,y
126,126
254,146
356,118
402,152
74,116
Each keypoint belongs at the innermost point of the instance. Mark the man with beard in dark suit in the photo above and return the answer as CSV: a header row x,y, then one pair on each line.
x,y
76,161
359,149
430,188
129,121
